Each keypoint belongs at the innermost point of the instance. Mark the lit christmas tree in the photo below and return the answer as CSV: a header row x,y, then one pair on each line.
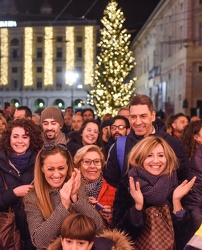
x,y
112,87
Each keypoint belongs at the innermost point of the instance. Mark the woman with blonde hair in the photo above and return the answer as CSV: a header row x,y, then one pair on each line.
x,y
90,161
57,193
151,181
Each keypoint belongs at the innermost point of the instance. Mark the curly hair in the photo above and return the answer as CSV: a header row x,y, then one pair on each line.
x,y
30,128
188,137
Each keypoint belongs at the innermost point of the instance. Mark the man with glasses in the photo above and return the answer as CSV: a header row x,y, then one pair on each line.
x,y
119,127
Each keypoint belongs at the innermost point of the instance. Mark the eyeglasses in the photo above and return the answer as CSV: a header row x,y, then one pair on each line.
x,y
89,130
50,147
120,127
96,162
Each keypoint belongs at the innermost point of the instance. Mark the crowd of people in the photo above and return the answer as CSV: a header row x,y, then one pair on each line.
x,y
78,182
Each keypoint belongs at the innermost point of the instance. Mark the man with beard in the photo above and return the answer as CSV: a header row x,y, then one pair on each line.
x,y
52,121
119,126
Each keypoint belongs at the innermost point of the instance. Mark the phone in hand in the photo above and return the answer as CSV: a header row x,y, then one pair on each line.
x,y
99,206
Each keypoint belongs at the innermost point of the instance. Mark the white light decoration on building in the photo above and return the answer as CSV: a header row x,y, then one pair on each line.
x,y
48,56
4,56
28,56
70,48
88,55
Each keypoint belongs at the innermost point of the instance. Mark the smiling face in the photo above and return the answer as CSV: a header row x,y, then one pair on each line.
x,y
141,119
90,133
91,172
55,170
155,162
51,129
19,140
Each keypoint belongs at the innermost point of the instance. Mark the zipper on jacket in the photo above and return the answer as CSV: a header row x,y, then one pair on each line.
x,y
18,172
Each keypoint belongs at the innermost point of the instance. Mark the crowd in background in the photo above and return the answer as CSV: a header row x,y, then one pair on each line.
x,y
74,179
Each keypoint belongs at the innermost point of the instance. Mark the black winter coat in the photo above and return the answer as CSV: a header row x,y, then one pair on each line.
x,y
8,198
112,172
193,200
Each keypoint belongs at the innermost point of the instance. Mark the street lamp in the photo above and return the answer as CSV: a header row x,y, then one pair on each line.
x,y
71,78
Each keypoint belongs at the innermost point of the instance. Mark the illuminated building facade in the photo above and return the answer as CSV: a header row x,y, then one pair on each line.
x,y
35,57
168,52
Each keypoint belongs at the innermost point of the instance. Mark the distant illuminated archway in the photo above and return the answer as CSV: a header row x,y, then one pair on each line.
x,y
60,103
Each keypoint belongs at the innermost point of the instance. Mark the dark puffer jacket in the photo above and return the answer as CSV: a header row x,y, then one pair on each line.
x,y
112,173
8,198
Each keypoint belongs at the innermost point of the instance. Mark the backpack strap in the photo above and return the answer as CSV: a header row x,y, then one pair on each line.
x,y
120,150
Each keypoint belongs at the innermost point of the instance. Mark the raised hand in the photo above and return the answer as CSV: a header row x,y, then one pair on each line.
x,y
65,192
183,189
21,191
76,185
136,193
180,192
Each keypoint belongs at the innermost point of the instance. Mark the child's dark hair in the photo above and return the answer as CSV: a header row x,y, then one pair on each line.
x,y
79,227
75,227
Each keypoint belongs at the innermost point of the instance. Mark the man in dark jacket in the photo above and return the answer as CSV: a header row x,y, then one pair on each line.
x,y
143,123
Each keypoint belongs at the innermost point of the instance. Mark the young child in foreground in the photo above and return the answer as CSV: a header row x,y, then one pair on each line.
x,y
78,232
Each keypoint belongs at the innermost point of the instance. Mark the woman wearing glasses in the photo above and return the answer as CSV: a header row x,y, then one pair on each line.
x,y
90,161
20,142
55,195
89,134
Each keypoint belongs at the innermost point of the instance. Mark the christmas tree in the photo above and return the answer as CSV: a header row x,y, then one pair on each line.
x,y
112,87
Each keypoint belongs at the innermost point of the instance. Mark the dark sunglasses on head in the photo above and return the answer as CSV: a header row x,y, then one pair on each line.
x,y
50,147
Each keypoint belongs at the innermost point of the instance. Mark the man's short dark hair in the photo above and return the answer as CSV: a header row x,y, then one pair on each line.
x,y
141,100
122,118
176,116
28,112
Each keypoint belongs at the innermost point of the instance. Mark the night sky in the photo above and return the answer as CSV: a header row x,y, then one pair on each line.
x,y
135,11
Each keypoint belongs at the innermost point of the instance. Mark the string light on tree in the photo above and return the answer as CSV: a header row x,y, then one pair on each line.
x,y
112,88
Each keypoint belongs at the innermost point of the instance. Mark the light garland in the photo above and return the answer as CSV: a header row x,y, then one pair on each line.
x,y
48,56
4,57
28,56
88,56
70,50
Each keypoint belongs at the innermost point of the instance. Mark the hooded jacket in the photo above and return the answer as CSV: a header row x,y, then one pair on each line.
x,y
107,240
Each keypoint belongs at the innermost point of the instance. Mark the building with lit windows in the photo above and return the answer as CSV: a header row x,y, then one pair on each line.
x,y
45,62
168,52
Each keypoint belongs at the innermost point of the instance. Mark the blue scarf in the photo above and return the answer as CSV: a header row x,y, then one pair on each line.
x,y
21,161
